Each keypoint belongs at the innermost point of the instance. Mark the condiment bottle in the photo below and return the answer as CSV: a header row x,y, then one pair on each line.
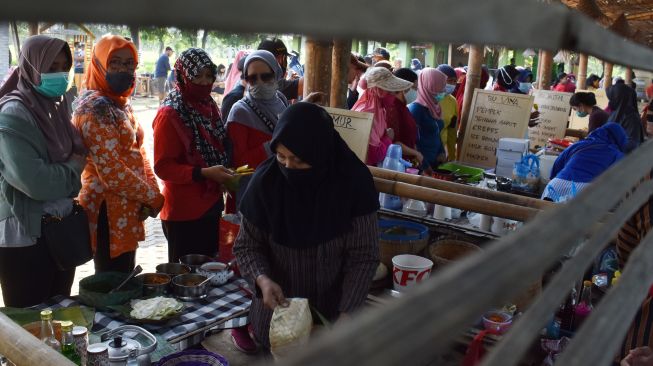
x,y
47,331
68,343
584,307
566,311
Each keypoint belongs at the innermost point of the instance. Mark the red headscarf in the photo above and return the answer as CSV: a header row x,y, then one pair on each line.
x,y
95,76
460,91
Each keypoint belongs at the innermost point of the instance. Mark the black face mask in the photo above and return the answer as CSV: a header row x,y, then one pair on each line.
x,y
302,177
120,82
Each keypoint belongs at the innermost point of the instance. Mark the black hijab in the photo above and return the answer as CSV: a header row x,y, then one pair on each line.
x,y
305,207
623,103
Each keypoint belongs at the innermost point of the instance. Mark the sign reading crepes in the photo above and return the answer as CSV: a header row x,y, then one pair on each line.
x,y
354,128
554,113
494,115
582,123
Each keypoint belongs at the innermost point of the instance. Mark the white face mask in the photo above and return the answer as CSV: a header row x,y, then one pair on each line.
x,y
410,95
263,90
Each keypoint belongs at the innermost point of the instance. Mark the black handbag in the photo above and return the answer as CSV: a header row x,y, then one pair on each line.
x,y
68,238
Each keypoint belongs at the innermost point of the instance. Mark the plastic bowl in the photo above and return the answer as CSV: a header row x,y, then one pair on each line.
x,y
497,322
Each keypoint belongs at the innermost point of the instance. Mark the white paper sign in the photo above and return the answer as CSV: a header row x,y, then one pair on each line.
x,y
554,113
354,128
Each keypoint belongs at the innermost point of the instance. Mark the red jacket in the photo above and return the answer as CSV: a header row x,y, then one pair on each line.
x,y
248,144
185,199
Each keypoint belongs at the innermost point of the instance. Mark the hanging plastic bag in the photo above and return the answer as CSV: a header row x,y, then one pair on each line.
x,y
526,173
290,327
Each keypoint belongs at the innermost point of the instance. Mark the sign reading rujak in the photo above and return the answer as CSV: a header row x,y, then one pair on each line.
x,y
354,128
554,113
493,115
582,123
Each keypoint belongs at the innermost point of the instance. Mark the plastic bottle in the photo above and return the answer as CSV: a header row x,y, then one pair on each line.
x,y
47,331
584,306
566,311
68,343
393,161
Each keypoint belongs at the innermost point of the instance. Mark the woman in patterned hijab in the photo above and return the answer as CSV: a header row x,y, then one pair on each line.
x,y
190,157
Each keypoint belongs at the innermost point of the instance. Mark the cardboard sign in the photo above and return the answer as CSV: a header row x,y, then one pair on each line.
x,y
354,128
494,115
582,123
554,113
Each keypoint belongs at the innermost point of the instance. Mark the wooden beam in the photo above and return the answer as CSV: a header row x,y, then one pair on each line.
x,y
464,189
546,68
607,75
647,15
467,203
340,61
449,55
582,71
86,30
22,348
317,69
14,31
474,65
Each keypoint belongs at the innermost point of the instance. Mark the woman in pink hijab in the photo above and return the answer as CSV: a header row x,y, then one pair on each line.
x,y
233,77
379,85
428,115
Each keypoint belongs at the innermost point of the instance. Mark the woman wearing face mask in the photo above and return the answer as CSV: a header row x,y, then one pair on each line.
x,y
506,79
190,158
584,104
427,112
309,222
525,80
392,123
119,189
252,119
449,107
41,160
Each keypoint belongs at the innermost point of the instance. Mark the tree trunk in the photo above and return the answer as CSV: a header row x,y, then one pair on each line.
x,y
161,45
205,36
133,32
339,70
317,75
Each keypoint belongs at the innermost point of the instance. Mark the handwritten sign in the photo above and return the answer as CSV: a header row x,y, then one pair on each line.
x,y
494,115
582,123
554,113
354,128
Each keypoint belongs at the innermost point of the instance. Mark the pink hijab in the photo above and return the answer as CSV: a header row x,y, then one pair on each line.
x,y
372,102
431,82
234,75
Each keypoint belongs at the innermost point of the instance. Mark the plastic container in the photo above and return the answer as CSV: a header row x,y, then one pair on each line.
x,y
497,322
393,161
401,237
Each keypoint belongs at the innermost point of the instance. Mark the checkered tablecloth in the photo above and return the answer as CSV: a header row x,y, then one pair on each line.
x,y
221,302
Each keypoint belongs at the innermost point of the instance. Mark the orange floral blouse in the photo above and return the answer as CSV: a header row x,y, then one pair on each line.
x,y
117,172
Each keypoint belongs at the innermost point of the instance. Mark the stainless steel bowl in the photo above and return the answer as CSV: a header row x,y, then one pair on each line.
x,y
173,269
186,287
195,261
155,284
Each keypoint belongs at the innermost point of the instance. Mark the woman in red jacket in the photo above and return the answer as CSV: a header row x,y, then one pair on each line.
x,y
190,157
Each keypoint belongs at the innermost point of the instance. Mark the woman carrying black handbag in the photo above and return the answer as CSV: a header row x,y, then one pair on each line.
x,y
41,159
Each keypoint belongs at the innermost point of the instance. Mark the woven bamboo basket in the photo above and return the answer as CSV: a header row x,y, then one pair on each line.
x,y
391,245
446,251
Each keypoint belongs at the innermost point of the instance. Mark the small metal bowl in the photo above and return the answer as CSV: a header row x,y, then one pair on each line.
x,y
187,287
173,269
154,284
195,261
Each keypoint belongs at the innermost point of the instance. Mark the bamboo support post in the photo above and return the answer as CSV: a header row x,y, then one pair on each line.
x,y
629,76
607,75
474,204
546,63
317,74
23,349
473,81
340,68
442,185
582,71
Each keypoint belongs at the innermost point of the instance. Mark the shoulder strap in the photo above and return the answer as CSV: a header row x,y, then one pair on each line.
x,y
260,114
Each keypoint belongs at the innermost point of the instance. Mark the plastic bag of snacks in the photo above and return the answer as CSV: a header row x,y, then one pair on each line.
x,y
290,327
526,174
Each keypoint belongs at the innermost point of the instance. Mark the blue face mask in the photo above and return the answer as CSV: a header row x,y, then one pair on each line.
x,y
581,114
525,87
410,95
449,88
440,96
53,84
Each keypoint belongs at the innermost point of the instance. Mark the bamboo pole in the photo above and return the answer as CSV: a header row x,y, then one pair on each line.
x,y
467,203
629,76
23,349
339,69
582,71
442,185
473,81
317,75
607,75
545,71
